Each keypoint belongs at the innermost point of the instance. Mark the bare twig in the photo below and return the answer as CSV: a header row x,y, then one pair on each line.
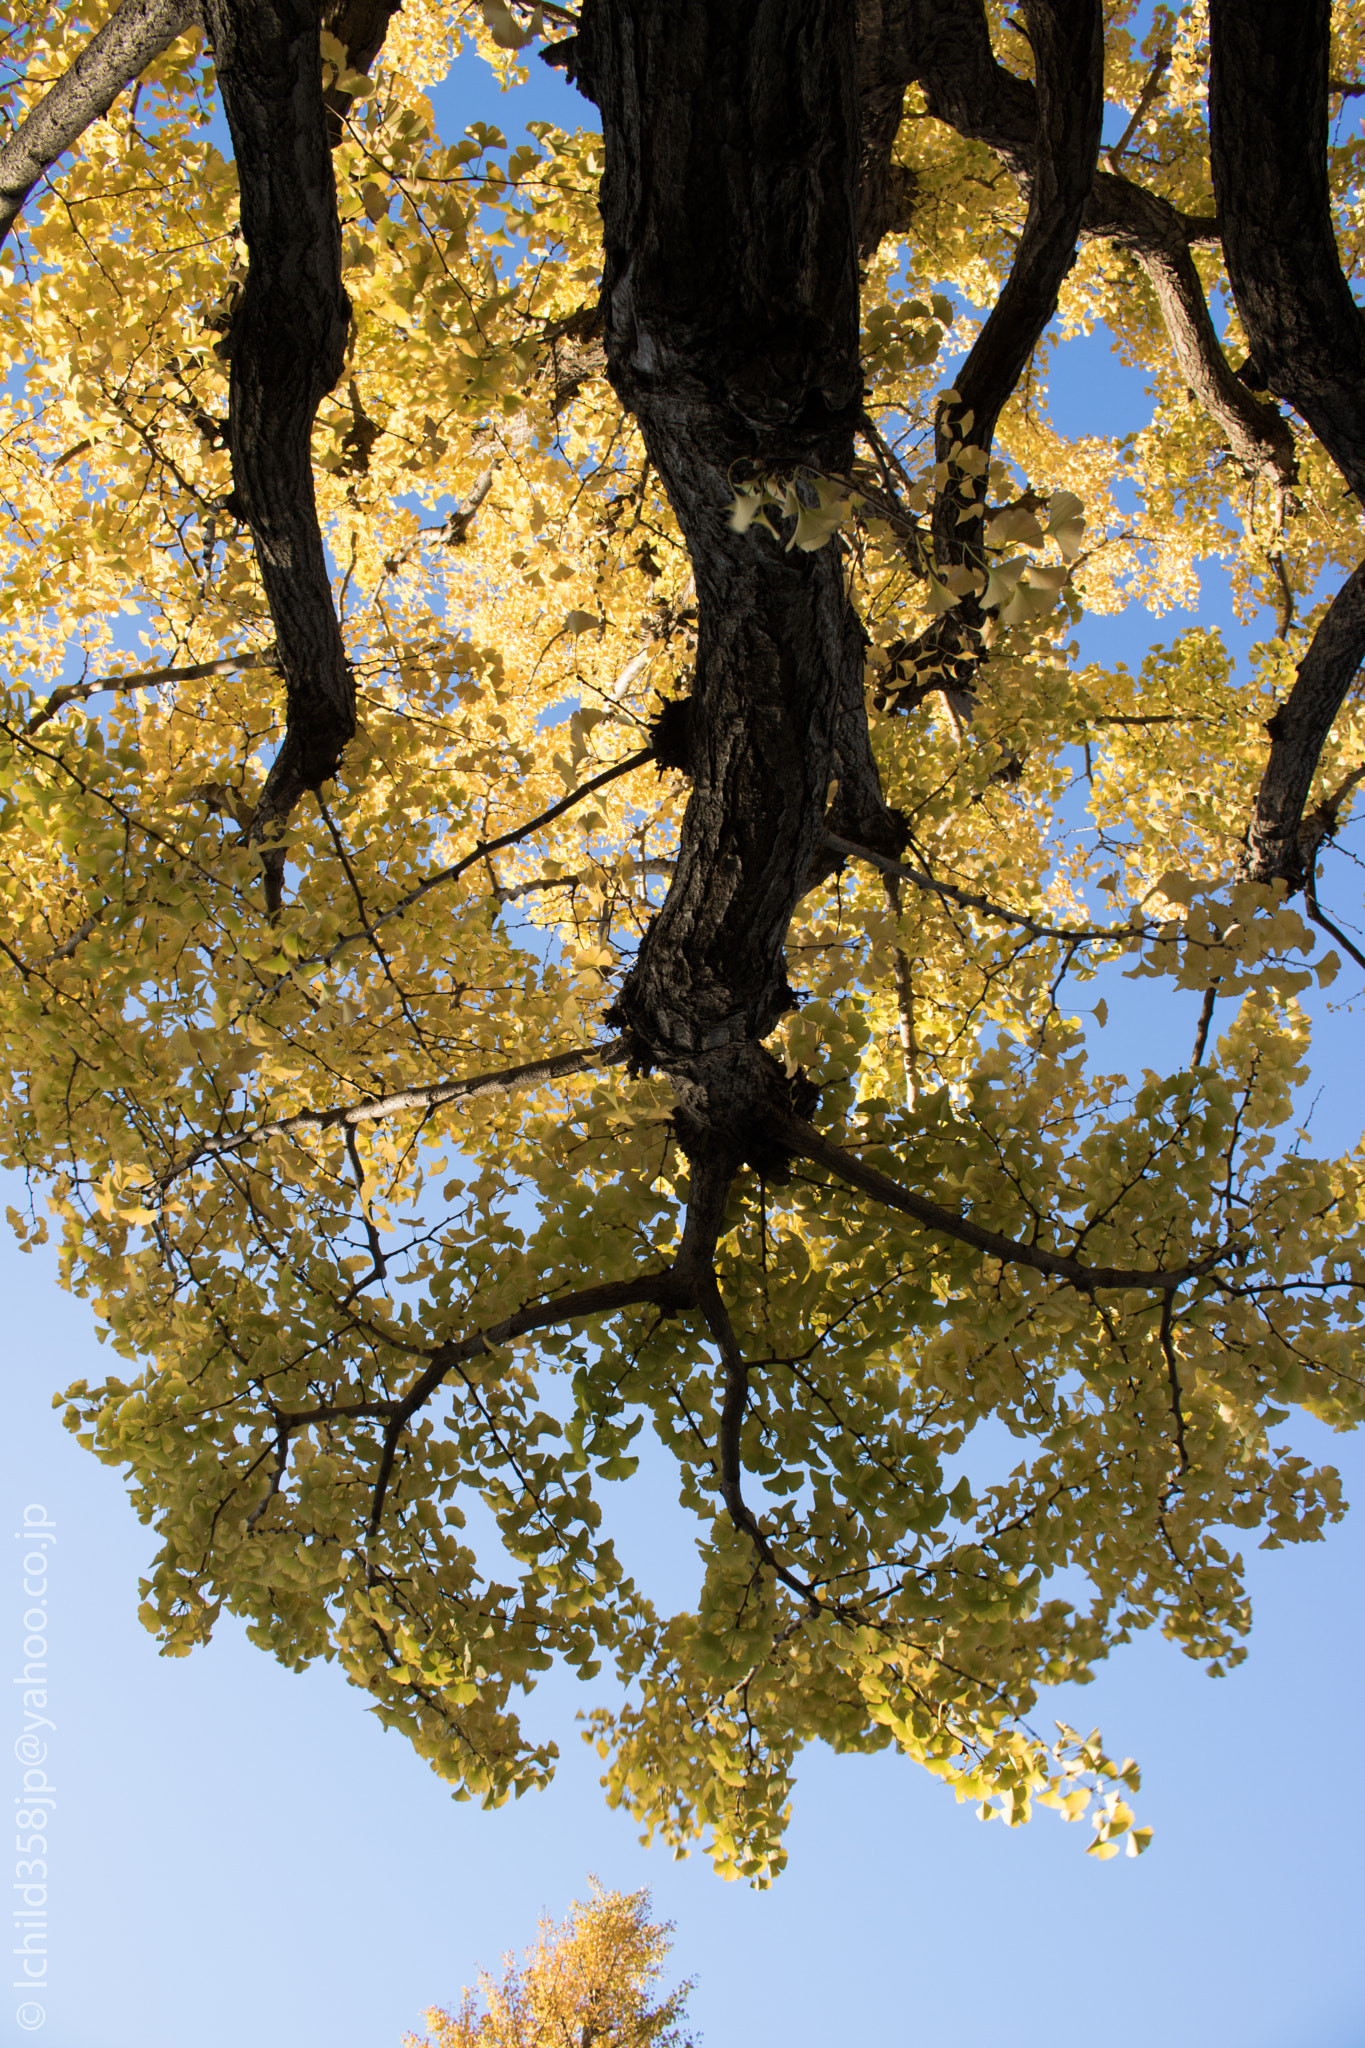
x,y
1320,918
966,899
576,880
484,847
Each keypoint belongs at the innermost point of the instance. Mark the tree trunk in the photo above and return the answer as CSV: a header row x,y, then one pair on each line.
x,y
731,301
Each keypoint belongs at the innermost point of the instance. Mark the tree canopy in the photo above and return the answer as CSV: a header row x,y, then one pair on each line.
x,y
585,1984
560,848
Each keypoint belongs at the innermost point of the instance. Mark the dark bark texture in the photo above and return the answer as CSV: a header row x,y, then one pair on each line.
x,y
1268,137
1281,843
1268,114
886,190
1257,434
731,302
286,347
124,47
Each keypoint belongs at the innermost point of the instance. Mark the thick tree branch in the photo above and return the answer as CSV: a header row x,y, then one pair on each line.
x,y
1068,45
732,334
286,348
886,190
805,1142
1268,122
660,1289
1068,52
944,45
1258,434
124,47
712,1170
360,26
149,679
734,1401
560,1066
1281,843
1268,118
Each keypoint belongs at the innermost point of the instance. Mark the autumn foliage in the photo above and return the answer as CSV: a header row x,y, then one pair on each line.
x,y
470,1033
585,1984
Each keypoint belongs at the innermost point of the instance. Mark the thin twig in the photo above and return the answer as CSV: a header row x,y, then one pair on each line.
x,y
629,869
1150,91
481,851
967,899
662,1289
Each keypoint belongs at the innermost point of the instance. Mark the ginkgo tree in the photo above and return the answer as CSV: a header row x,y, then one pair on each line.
x,y
585,1984
558,843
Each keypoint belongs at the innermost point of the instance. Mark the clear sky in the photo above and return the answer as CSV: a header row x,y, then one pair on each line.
x,y
238,1853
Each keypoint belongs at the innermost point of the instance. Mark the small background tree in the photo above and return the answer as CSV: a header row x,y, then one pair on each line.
x,y
585,1984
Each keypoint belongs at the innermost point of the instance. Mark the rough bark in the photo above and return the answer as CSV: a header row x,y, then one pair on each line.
x,y
731,302
1258,435
1281,843
1268,109
286,348
1268,115
124,47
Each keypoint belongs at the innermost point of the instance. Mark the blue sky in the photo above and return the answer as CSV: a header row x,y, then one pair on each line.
x,y
239,1853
